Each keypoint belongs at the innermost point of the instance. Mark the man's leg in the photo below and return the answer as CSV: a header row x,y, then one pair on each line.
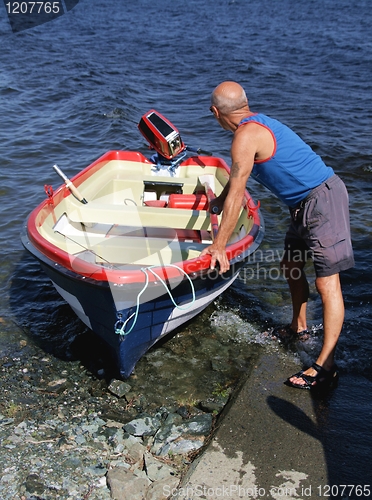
x,y
293,271
330,292
326,219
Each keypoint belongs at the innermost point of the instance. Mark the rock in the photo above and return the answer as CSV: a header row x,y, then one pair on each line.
x,y
173,418
20,429
168,433
129,445
125,484
34,485
199,425
113,423
119,388
213,404
162,489
5,421
181,447
135,452
183,411
145,425
183,436
157,470
80,440
119,463
58,386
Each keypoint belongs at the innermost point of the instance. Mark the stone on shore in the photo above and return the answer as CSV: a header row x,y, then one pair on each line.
x,y
144,425
119,388
125,484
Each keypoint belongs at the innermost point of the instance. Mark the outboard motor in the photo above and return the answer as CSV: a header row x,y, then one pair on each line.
x,y
161,134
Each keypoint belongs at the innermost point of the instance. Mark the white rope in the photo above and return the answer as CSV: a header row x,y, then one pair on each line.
x,y
145,270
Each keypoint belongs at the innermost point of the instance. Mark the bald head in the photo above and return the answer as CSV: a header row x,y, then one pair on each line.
x,y
228,97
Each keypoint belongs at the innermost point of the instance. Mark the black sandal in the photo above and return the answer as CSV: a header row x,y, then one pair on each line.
x,y
286,333
323,379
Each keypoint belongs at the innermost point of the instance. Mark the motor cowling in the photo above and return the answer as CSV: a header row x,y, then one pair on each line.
x,y
161,134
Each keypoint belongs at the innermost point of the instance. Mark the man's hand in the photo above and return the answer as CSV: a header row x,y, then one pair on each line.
x,y
217,255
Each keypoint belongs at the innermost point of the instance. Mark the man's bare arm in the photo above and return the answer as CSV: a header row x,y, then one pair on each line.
x,y
242,153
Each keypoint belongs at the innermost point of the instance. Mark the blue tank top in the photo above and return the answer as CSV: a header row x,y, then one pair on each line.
x,y
294,169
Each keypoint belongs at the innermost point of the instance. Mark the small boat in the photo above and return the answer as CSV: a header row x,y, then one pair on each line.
x,y
121,240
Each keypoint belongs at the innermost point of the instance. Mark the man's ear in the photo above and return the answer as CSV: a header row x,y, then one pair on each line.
x,y
215,111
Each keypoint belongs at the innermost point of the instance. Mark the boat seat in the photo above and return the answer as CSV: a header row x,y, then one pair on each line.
x,y
138,216
79,235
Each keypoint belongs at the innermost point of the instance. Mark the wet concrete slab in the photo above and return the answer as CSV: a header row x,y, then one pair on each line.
x,y
276,442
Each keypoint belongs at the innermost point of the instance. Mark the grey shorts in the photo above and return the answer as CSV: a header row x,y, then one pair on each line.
x,y
320,229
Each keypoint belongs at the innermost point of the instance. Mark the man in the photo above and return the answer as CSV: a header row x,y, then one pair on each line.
x,y
317,199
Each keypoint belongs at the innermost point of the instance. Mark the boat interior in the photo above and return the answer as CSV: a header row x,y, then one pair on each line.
x,y
134,217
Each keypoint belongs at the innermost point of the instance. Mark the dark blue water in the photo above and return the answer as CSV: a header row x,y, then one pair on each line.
x,y
76,87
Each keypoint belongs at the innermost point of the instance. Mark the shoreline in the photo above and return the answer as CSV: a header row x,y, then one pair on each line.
x,y
67,434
